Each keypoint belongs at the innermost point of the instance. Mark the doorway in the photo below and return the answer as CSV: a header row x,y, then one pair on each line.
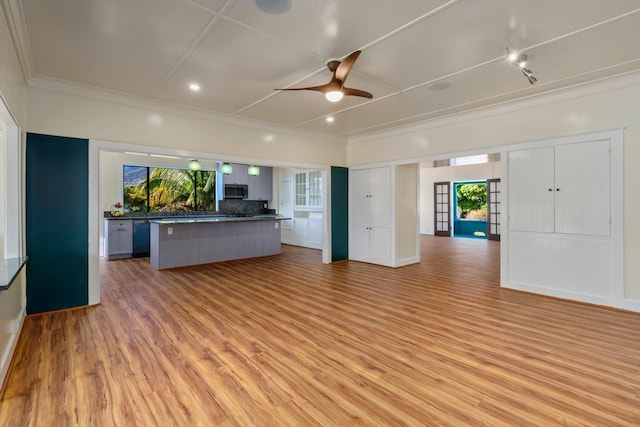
x,y
470,209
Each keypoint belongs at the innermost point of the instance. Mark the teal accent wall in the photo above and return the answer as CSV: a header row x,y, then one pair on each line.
x,y
339,213
57,214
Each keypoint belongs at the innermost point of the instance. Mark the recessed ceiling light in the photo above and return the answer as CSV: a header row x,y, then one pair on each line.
x,y
330,119
274,7
194,87
440,86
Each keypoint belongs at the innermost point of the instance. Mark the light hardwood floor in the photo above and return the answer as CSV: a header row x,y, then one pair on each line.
x,y
288,341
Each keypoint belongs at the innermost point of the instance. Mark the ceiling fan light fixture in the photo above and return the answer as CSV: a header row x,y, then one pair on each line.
x,y
334,95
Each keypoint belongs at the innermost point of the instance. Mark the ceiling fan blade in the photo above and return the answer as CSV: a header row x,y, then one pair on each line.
x,y
345,66
321,88
356,92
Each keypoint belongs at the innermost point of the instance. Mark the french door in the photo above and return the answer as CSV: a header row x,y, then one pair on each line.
x,y
442,208
493,209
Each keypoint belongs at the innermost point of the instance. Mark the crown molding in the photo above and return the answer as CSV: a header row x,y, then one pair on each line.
x,y
104,95
607,84
14,18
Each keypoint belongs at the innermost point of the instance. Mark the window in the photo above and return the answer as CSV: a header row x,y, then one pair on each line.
x,y
166,189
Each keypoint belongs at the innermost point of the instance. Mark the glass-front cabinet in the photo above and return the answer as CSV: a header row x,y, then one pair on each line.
x,y
306,228
308,189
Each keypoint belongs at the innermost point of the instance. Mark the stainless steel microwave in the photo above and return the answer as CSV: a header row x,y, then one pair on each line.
x,y
236,191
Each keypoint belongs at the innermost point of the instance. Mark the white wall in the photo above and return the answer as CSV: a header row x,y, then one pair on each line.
x,y
134,121
429,175
610,104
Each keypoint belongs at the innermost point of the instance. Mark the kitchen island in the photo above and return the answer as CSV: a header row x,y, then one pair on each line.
x,y
181,242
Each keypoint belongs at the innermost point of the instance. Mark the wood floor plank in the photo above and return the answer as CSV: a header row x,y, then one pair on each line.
x,y
288,341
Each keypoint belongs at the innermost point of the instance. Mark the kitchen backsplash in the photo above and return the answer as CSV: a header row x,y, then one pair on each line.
x,y
229,206
235,206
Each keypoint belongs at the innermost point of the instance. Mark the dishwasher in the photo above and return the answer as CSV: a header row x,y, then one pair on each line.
x,y
141,232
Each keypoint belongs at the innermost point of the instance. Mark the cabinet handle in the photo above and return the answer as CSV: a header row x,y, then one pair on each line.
x,y
557,189
551,189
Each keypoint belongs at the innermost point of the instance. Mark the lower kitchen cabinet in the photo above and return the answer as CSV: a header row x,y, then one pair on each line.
x,y
307,232
118,241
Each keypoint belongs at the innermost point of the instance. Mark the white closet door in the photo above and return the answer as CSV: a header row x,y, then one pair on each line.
x,y
359,195
582,193
380,191
531,190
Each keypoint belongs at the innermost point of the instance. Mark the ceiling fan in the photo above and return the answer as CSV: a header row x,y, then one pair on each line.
x,y
335,89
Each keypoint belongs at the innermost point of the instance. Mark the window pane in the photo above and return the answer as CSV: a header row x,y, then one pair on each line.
x,y
135,188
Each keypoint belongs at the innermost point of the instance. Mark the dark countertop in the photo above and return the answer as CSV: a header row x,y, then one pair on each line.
x,y
161,215
219,218
9,269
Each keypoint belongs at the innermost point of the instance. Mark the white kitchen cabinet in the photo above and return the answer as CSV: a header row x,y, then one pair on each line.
x,y
307,232
308,189
314,236
562,189
118,242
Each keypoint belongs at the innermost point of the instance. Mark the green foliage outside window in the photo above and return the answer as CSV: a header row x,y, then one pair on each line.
x,y
168,190
472,200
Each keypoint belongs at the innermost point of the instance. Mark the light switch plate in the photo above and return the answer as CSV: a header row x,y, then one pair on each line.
x,y
170,231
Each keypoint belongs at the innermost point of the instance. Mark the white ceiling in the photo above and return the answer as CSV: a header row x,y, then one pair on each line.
x,y
239,54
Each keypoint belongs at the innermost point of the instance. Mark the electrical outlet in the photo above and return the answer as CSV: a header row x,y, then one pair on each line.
x,y
276,224
170,231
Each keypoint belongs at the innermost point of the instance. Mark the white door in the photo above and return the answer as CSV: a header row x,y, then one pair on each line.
x,y
300,231
380,244
531,190
286,203
582,193
359,195
380,195
359,242
315,232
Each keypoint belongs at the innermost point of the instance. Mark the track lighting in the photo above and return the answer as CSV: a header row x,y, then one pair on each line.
x,y
520,59
529,75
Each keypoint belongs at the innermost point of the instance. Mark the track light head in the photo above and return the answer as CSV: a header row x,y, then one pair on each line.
x,y
520,59
529,75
